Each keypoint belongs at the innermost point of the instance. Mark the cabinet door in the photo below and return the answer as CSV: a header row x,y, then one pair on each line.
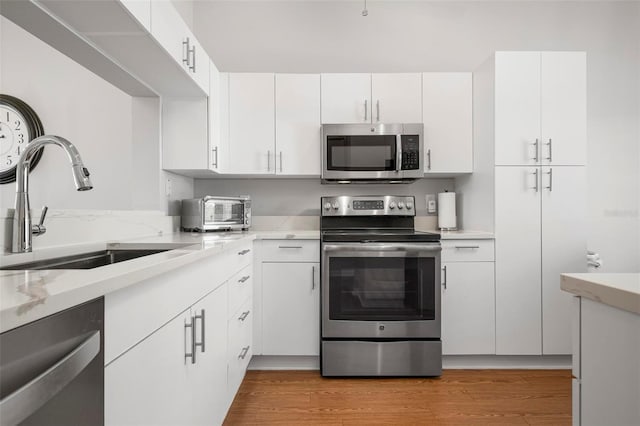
x,y
346,98
198,64
396,98
448,125
298,124
564,247
210,384
290,309
517,108
251,123
564,108
168,28
185,137
151,383
518,271
141,10
218,118
468,308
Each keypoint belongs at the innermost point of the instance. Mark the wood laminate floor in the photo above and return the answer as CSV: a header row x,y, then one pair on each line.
x,y
459,397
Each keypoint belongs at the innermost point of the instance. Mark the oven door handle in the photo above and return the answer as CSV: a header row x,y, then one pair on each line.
x,y
398,153
429,247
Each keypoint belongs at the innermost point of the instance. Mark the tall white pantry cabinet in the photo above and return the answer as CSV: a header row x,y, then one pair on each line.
x,y
530,158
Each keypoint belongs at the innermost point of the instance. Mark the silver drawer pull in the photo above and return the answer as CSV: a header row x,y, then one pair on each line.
x,y
191,334
244,352
202,332
243,252
467,247
243,279
290,247
244,315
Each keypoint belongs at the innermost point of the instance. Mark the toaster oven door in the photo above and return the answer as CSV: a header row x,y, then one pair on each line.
x,y
224,214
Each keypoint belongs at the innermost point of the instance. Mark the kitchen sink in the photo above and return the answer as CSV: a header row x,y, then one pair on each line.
x,y
89,260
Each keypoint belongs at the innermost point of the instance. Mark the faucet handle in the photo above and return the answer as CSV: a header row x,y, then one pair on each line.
x,y
40,229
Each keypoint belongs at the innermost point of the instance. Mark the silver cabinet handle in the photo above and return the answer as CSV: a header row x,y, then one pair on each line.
x,y
365,109
192,67
244,315
429,159
243,279
201,318
550,145
280,161
378,110
192,329
244,352
268,161
536,145
467,247
185,52
536,187
313,277
398,153
550,187
444,281
243,252
19,405
290,247
215,156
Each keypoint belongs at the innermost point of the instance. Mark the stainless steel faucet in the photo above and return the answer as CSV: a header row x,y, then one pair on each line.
x,y
23,230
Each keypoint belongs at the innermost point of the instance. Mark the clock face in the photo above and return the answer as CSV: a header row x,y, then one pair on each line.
x,y
19,125
14,136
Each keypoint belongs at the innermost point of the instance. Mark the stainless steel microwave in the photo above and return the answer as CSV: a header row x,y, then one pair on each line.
x,y
372,153
216,213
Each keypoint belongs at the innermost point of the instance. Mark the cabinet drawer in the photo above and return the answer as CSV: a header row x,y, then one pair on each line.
x,y
240,349
467,251
290,250
240,256
240,288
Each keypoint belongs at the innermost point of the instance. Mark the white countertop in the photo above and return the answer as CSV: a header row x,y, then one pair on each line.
x,y
618,290
26,296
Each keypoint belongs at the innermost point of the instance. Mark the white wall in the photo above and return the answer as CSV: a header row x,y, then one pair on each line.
x,y
333,36
290,197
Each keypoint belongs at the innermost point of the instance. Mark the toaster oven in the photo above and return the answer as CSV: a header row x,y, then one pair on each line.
x,y
216,213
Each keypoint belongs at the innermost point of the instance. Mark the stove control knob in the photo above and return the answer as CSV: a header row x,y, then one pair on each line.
x,y
335,205
327,205
409,205
392,205
401,205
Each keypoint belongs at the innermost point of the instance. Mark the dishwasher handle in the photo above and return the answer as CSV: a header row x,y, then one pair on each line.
x,y
25,401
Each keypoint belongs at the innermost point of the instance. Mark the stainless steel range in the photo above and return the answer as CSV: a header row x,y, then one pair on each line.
x,y
380,294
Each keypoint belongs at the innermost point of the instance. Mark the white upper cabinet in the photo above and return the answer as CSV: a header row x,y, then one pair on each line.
x,y
251,123
297,109
540,108
448,122
396,98
517,108
564,108
141,10
174,36
346,98
371,98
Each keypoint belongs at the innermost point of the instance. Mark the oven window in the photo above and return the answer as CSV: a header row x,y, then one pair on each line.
x,y
361,153
224,212
382,289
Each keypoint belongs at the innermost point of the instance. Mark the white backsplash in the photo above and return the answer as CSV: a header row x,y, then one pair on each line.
x,y
67,227
285,223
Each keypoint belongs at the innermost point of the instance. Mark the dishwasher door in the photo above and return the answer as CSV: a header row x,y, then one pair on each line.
x,y
52,370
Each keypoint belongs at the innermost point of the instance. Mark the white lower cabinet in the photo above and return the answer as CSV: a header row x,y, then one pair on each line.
x,y
163,381
468,308
240,346
468,297
291,308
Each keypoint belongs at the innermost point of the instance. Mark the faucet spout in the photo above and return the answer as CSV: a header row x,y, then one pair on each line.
x,y
23,230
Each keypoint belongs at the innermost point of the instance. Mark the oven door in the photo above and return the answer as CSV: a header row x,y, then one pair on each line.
x,y
224,214
381,290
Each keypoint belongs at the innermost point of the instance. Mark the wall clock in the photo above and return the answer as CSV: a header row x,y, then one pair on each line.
x,y
19,125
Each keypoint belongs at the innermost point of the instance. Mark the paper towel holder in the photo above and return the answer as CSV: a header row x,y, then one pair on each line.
x,y
447,217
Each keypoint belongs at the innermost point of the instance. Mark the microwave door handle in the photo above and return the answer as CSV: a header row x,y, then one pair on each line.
x,y
398,153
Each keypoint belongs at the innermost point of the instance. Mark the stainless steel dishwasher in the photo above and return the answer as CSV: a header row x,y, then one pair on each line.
x,y
52,370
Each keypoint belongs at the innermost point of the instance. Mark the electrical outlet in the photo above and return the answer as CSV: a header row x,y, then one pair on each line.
x,y
431,204
167,188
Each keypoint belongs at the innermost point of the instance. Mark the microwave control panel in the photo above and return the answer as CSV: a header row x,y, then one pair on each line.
x,y
410,152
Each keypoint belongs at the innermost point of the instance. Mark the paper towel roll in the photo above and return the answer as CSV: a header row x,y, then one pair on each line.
x,y
447,210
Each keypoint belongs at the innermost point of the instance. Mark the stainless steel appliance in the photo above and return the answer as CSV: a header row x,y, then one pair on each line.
x,y
380,293
365,153
216,213
52,370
